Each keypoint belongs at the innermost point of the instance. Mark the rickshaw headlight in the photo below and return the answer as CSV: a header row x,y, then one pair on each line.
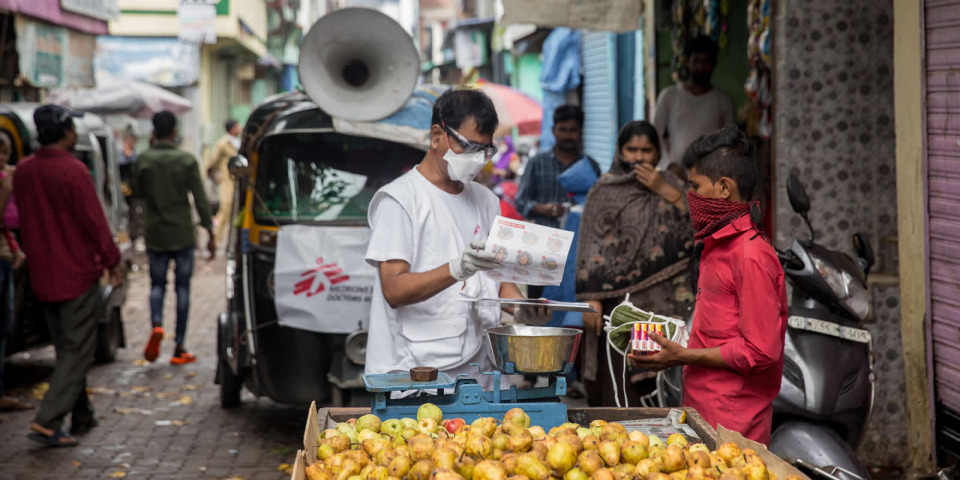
x,y
267,238
355,347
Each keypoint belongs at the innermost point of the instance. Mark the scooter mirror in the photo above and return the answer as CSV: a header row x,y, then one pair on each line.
x,y
864,252
797,195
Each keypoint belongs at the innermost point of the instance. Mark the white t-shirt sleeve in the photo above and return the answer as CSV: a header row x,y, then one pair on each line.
x,y
661,118
392,236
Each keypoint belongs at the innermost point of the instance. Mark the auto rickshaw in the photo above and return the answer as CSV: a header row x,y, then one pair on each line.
x,y
96,148
296,151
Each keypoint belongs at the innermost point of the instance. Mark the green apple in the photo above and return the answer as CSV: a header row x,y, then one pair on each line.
x,y
391,427
408,422
368,422
348,430
429,410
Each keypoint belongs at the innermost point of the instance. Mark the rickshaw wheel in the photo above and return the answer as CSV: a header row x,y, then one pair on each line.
x,y
109,338
230,386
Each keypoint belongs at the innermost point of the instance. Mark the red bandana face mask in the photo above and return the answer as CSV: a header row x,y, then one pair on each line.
x,y
709,215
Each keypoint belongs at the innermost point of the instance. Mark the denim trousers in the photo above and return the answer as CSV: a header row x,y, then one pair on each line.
x,y
183,270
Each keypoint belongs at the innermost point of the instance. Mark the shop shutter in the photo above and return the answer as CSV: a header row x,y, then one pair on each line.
x,y
600,96
943,193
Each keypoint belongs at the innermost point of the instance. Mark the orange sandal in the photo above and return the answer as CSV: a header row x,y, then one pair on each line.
x,y
182,358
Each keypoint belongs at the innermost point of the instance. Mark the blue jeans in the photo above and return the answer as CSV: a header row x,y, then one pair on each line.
x,y
183,270
6,311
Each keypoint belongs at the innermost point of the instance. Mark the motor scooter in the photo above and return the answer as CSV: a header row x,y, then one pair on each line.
x,y
827,392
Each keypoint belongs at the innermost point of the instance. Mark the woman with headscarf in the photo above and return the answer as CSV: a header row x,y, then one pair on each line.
x,y
635,238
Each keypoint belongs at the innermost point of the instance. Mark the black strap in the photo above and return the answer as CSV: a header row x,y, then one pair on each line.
x,y
695,265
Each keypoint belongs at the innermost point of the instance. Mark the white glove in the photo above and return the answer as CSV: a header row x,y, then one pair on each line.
x,y
474,259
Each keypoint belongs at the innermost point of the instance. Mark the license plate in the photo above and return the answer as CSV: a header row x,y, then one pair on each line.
x,y
829,328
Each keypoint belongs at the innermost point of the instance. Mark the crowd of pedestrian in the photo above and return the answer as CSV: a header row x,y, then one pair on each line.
x,y
69,251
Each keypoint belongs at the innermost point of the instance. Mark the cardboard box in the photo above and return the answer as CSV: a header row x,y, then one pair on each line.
x,y
324,418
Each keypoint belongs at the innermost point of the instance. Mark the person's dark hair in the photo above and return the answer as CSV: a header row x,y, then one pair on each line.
x,y
230,124
564,113
638,128
49,137
724,153
164,123
701,45
457,104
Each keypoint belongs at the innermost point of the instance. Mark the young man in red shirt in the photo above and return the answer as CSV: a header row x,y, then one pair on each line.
x,y
734,360
69,244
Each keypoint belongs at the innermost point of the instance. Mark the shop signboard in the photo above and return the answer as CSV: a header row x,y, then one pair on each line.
x,y
79,63
42,48
198,21
167,62
105,10
471,48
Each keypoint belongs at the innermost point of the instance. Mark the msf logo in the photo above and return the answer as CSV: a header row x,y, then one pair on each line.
x,y
330,271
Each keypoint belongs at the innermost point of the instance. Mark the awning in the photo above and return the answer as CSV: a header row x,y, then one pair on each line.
x,y
51,11
600,15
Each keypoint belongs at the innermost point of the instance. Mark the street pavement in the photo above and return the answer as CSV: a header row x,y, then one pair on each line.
x,y
157,421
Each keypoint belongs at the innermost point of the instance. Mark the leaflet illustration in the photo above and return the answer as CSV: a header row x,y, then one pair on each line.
x,y
531,254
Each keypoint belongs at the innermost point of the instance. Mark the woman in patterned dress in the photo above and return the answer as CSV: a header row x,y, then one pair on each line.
x,y
635,238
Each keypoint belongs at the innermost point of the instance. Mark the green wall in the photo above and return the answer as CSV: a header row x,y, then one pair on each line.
x,y
732,65
526,75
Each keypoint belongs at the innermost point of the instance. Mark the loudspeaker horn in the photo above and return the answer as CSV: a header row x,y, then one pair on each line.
x,y
358,64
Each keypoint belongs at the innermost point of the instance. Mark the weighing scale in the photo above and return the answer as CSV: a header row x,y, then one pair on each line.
x,y
468,401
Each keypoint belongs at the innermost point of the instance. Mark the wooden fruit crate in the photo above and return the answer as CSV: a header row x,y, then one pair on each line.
x,y
319,420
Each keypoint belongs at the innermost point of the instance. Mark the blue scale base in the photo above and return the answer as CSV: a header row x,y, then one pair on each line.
x,y
468,401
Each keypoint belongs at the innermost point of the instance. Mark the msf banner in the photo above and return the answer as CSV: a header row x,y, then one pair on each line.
x,y
322,282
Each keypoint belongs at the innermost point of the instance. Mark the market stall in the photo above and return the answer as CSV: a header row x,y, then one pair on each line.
x,y
603,443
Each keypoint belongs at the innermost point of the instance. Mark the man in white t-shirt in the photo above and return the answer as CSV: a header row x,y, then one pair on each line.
x,y
429,227
695,108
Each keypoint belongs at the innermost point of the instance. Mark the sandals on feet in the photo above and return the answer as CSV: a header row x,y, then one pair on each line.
x,y
58,439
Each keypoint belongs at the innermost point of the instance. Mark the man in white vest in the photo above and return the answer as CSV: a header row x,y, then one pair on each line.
x,y
429,228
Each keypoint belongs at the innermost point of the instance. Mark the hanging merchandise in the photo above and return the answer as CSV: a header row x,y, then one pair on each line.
x,y
695,18
757,86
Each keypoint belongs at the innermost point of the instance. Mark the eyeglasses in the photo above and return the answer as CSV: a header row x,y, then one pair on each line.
x,y
488,150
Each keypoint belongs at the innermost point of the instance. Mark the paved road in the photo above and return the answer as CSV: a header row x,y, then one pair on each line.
x,y
140,408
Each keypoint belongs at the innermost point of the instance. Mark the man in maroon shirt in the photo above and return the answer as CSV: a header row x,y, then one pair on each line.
x,y
734,360
69,244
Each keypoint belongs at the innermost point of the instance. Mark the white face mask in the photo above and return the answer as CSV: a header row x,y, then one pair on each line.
x,y
462,167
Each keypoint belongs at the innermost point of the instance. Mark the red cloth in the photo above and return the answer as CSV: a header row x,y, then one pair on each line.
x,y
709,215
741,309
64,231
509,211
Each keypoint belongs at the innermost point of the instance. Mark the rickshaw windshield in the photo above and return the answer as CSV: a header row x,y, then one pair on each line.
x,y
325,177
